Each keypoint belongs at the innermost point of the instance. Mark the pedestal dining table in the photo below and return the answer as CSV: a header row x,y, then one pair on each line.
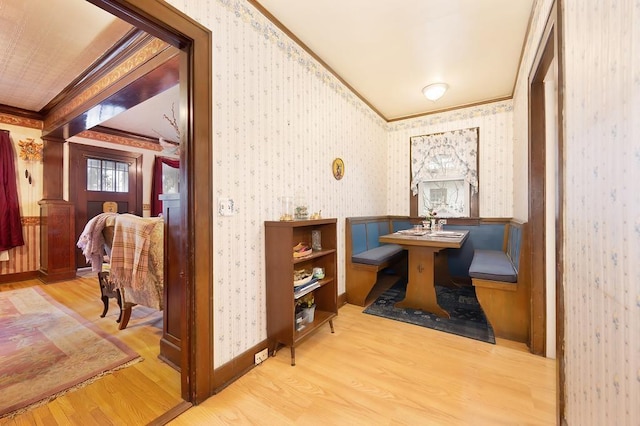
x,y
423,247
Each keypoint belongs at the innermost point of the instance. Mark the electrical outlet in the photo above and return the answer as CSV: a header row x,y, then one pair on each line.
x,y
442,221
262,356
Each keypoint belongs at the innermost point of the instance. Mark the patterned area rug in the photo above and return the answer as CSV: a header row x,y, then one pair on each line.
x,y
47,350
467,318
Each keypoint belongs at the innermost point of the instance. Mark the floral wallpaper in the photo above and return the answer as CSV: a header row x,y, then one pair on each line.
x,y
602,207
279,120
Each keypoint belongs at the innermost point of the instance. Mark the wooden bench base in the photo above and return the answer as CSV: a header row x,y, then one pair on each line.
x,y
361,278
361,274
506,306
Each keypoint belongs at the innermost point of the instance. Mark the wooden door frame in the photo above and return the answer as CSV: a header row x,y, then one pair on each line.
x,y
170,25
550,48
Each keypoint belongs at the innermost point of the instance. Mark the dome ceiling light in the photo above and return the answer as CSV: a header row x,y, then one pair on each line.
x,y
434,91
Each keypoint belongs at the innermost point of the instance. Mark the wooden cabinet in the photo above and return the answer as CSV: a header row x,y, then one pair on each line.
x,y
280,238
174,288
57,242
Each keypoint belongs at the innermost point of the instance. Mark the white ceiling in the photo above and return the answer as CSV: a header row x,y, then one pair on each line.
x,y
44,46
387,50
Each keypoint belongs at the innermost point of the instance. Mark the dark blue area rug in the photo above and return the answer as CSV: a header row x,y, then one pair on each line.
x,y
467,318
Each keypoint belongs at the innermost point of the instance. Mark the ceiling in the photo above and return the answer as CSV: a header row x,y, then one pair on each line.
x,y
40,54
386,50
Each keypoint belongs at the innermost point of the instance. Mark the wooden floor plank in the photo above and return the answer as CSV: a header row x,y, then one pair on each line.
x,y
372,371
375,371
135,395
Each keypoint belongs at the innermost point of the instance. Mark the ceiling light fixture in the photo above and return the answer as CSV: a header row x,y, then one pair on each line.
x,y
434,91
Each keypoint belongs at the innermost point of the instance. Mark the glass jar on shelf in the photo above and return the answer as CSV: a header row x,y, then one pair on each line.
x,y
301,209
287,210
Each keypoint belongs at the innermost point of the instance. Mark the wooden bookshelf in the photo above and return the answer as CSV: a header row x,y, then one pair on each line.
x,y
280,238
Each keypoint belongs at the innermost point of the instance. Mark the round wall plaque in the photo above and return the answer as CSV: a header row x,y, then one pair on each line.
x,y
338,168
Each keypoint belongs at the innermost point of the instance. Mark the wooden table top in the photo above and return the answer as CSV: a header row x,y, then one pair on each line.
x,y
440,239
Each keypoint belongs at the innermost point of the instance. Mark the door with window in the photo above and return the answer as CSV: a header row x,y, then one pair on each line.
x,y
101,175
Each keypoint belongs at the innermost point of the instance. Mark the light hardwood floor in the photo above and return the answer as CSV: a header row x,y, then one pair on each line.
x,y
375,371
372,371
135,395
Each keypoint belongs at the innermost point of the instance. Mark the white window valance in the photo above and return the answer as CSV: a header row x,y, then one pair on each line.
x,y
445,155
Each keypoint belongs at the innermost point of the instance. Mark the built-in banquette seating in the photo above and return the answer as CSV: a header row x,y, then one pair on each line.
x,y
491,259
365,256
502,287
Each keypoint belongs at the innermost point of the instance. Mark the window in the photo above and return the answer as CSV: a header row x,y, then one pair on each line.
x,y
448,197
170,179
107,175
444,174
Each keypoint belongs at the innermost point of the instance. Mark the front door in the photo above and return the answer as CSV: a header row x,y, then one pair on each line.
x,y
99,175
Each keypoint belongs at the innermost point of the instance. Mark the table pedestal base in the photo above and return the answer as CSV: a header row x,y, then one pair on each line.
x,y
421,291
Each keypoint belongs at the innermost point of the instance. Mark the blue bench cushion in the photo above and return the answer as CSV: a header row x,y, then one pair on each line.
x,y
492,265
378,255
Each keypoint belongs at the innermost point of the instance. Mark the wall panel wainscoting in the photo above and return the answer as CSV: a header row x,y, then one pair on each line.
x,y
24,261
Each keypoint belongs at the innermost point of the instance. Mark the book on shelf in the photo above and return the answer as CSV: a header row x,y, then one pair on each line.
x,y
300,291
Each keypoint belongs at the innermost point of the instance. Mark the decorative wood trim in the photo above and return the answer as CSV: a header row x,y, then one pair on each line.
x,y
537,191
232,370
551,44
557,13
120,140
20,276
30,220
171,414
123,49
21,121
167,23
138,61
457,107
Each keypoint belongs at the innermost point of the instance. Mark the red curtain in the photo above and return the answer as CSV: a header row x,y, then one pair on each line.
x,y
156,182
10,223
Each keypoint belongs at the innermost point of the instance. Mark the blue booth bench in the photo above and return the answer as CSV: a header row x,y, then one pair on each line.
x,y
492,258
365,256
500,278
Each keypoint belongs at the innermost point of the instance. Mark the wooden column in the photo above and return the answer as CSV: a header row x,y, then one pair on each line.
x,y
57,240
52,167
57,216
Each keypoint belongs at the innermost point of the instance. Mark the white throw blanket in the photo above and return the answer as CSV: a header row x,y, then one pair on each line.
x,y
91,241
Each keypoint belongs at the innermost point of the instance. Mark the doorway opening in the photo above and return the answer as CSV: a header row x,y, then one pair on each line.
x,y
546,210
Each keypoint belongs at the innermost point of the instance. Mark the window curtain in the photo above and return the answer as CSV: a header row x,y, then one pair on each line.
x,y
445,155
10,222
156,183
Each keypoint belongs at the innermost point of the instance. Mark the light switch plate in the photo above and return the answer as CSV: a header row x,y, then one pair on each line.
x,y
225,207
